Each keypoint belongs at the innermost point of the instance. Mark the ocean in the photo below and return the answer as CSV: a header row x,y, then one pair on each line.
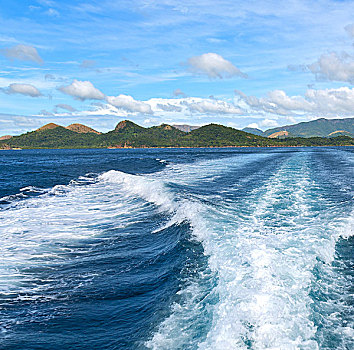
x,y
247,248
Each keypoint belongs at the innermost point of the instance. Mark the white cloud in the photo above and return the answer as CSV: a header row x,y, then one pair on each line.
x,y
211,106
214,66
269,123
82,90
170,110
291,119
328,102
335,67
129,104
23,89
332,101
253,125
169,107
23,53
151,121
233,125
276,102
183,107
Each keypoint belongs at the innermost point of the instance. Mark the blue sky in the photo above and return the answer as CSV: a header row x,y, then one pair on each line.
x,y
239,63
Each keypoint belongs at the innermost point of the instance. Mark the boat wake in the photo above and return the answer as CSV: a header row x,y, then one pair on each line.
x,y
273,271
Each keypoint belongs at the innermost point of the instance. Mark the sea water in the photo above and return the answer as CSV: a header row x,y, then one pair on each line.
x,y
247,248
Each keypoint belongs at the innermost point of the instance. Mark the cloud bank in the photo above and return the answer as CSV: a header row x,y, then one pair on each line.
x,y
211,106
334,67
328,102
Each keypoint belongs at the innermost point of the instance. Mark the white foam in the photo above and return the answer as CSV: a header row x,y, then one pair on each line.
x,y
149,189
264,254
181,173
263,249
37,232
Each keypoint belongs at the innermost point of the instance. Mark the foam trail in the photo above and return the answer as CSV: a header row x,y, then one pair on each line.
x,y
40,231
151,190
267,251
264,254
207,170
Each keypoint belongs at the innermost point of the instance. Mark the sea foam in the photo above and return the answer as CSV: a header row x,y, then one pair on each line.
x,y
263,250
268,252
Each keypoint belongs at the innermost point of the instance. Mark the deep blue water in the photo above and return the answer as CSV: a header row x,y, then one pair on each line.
x,y
177,249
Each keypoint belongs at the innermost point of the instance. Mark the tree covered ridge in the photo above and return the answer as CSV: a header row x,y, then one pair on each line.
x,y
128,134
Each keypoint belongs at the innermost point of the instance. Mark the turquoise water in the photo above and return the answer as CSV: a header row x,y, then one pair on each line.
x,y
177,249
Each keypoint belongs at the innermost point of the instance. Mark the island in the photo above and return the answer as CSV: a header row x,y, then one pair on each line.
x,y
130,135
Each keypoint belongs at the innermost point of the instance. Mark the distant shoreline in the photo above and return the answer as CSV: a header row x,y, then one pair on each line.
x,y
130,135
183,147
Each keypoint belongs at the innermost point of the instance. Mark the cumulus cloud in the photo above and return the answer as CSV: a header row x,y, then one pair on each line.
x,y
82,90
253,125
269,123
129,104
169,107
194,105
23,89
214,66
151,121
327,102
23,53
182,109
334,66
66,107
211,106
350,29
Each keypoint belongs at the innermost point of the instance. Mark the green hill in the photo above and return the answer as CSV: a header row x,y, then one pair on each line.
x,y
129,134
316,128
58,137
253,131
214,135
340,133
80,128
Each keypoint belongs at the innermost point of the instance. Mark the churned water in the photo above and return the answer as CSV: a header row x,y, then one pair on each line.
x,y
245,248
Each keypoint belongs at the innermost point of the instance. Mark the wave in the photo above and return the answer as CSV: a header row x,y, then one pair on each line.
x,y
59,225
267,253
264,251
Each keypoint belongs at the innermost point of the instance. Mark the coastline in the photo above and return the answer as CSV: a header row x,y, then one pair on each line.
x,y
181,147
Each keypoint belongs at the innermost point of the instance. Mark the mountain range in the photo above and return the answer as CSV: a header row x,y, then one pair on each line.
x,y
315,128
130,135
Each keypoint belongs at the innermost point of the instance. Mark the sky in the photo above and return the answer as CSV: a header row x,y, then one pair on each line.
x,y
249,63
